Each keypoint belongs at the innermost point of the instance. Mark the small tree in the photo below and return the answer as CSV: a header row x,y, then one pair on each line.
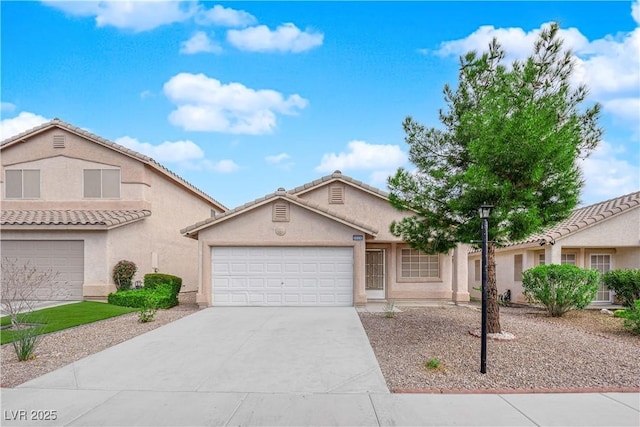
x,y
123,273
22,285
560,288
511,138
625,283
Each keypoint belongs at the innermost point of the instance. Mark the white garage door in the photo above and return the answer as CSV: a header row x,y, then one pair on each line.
x,y
282,276
66,257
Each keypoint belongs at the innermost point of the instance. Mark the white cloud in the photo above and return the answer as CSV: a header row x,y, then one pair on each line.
x,y
624,108
21,123
607,176
133,15
146,94
277,158
7,107
206,104
186,154
635,11
286,38
225,17
199,42
222,166
364,156
167,152
608,66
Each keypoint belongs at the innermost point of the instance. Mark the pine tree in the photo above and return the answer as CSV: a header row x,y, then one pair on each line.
x,y
511,137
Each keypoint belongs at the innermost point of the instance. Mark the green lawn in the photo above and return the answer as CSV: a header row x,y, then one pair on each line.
x,y
65,316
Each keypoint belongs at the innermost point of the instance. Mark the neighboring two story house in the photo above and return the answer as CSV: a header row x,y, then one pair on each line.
x,y
603,236
78,203
324,243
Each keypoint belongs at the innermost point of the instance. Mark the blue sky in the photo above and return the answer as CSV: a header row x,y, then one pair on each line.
x,y
241,98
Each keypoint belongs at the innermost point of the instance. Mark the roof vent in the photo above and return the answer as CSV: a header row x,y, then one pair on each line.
x,y
281,189
58,141
336,194
337,172
281,212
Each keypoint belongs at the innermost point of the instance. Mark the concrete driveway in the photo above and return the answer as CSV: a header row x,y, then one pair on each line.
x,y
236,349
275,367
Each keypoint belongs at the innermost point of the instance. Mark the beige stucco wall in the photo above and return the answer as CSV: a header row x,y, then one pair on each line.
x,y
368,208
377,212
154,241
256,228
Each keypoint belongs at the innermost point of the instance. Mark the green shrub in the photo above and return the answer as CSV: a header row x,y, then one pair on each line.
x,y
28,339
625,283
621,313
560,288
148,311
152,280
160,297
123,273
389,311
432,363
632,318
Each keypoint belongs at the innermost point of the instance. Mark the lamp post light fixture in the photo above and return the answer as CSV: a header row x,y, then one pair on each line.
x,y
484,211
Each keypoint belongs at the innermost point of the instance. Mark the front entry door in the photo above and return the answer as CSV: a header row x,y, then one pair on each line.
x,y
374,266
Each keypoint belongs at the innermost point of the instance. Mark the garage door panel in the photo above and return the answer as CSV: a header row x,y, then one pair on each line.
x,y
282,276
65,258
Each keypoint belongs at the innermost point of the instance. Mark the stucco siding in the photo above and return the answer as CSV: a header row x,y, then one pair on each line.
x,y
154,241
621,230
368,208
173,208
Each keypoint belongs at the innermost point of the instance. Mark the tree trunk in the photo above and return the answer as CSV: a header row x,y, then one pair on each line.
x,y
493,311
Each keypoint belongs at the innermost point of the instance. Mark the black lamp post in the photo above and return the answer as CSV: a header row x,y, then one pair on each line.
x,y
484,211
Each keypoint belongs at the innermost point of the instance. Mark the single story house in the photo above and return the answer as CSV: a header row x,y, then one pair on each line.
x,y
77,203
603,236
324,243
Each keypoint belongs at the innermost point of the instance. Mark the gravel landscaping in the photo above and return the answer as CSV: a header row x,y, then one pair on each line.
x,y
583,350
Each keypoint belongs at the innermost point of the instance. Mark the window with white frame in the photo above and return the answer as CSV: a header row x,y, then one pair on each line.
x,y
417,264
22,183
569,259
541,259
101,183
602,263
517,268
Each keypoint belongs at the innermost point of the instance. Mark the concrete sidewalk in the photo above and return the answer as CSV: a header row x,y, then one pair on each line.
x,y
28,406
273,366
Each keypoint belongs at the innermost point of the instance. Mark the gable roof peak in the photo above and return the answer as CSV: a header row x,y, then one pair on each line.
x,y
56,122
338,176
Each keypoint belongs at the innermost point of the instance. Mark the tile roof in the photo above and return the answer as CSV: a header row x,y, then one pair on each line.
x,y
117,147
338,176
585,217
280,194
101,218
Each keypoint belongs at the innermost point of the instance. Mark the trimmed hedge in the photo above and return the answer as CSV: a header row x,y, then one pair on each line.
x,y
159,291
160,297
152,280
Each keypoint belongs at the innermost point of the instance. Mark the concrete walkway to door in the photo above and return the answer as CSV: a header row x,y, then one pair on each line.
x,y
272,366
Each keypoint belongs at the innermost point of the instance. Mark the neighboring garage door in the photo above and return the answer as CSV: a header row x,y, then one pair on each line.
x,y
282,276
66,257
